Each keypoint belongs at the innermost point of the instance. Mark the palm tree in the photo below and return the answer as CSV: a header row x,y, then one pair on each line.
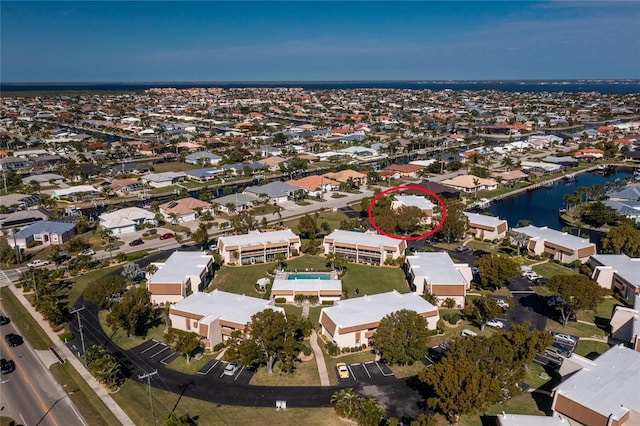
x,y
174,218
507,162
346,402
281,261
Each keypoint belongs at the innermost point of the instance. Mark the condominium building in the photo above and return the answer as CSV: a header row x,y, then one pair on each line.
x,y
486,227
364,247
183,273
559,245
617,272
257,246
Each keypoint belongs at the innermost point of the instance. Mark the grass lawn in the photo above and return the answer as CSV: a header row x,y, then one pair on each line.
x,y
133,397
290,309
265,209
120,337
88,403
483,245
520,404
591,349
402,371
536,376
503,189
21,318
603,311
551,269
173,167
305,374
82,281
192,184
314,316
576,328
171,189
373,280
176,228
180,364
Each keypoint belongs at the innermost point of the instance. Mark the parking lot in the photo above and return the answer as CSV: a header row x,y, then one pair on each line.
x,y
366,373
562,347
214,369
159,351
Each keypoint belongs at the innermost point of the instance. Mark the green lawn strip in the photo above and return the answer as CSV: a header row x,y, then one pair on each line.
x,y
373,280
314,316
503,189
176,228
536,376
576,328
27,325
591,349
290,309
523,403
264,209
551,269
305,374
82,281
85,399
482,245
120,337
402,371
604,311
180,364
133,397
165,190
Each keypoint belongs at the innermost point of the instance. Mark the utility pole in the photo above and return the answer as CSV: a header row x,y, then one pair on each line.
x,y
148,377
77,312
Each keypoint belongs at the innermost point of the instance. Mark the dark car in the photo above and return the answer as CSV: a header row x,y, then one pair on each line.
x,y
166,236
13,339
4,320
136,242
462,249
7,366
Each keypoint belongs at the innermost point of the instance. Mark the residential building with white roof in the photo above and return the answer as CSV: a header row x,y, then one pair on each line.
x,y
214,316
124,221
161,180
257,247
486,227
604,392
364,247
436,273
353,322
559,245
617,272
182,273
625,324
288,288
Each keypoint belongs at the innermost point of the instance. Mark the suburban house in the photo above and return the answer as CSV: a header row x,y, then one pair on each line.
x,y
276,192
124,221
234,203
625,324
406,170
324,286
589,154
437,274
22,218
559,245
46,232
75,192
15,163
44,179
486,227
182,273
161,180
183,210
364,247
471,183
603,392
258,246
202,157
273,163
214,316
348,175
540,167
627,208
617,272
315,185
125,187
204,175
353,322
442,191
19,201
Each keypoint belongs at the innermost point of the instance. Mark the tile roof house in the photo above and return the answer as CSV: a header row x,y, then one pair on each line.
x,y
363,247
406,170
442,191
358,178
437,274
258,246
184,209
214,316
603,392
471,183
559,245
353,322
617,272
182,273
315,185
46,232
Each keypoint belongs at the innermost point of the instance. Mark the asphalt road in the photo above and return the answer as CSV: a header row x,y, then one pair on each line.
x,y
30,395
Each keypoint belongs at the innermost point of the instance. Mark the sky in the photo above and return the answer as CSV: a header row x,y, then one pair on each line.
x,y
164,41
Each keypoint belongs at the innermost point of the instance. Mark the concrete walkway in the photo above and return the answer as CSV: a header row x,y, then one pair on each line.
x,y
317,352
305,310
65,353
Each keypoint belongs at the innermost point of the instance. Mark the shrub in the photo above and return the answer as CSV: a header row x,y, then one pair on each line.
x,y
332,349
306,351
327,303
281,300
446,316
220,346
66,336
153,231
454,318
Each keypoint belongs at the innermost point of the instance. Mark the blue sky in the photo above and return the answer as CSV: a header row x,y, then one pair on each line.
x,y
295,41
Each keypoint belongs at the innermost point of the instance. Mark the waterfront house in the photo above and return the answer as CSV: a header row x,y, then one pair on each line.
x,y
75,192
486,227
202,157
162,180
558,245
471,183
442,191
364,247
589,154
258,246
617,272
204,175
183,210
353,322
182,273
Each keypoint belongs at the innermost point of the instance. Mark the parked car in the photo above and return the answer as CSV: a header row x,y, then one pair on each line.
x,y
166,236
13,339
7,366
502,303
37,263
495,323
462,249
112,247
562,349
540,281
4,320
532,276
467,332
231,369
87,252
136,242
564,338
343,371
557,352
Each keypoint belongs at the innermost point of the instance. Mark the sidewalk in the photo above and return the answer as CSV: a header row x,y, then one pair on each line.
x,y
47,358
317,352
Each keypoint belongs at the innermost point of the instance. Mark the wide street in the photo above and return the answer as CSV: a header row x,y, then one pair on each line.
x,y
30,394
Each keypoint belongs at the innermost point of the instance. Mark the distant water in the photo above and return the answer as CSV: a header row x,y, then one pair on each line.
x,y
620,87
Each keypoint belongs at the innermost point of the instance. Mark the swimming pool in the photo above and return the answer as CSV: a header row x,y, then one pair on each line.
x,y
299,276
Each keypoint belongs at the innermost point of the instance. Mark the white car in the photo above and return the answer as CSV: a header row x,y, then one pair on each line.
x,y
231,369
37,263
564,338
495,323
87,252
502,303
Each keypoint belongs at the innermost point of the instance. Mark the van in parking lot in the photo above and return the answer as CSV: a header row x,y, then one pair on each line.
x,y
467,332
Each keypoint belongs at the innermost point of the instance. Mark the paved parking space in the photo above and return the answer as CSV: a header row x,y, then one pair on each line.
x,y
208,367
214,370
367,373
158,351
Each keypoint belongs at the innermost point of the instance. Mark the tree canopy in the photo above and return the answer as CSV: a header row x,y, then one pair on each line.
x,y
134,313
456,223
622,239
578,292
402,337
496,271
481,310
101,291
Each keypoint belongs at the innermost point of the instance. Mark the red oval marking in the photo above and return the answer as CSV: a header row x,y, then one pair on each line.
x,y
400,188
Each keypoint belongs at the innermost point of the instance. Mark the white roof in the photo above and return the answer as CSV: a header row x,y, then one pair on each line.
x,y
368,309
436,268
179,266
414,201
162,177
116,222
131,213
484,220
556,237
363,238
301,284
74,190
257,237
528,420
237,308
625,266
609,386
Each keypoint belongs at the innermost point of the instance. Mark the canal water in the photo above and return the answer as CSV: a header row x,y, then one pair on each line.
x,y
541,206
